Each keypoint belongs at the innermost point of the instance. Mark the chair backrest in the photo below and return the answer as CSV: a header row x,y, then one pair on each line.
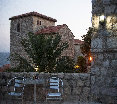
x,y
56,89
16,86
54,83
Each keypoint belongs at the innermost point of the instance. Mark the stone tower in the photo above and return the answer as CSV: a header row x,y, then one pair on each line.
x,y
104,51
23,24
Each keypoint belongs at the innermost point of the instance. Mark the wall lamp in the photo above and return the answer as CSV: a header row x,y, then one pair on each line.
x,y
36,68
102,20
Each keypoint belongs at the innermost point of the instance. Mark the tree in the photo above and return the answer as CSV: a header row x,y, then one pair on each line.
x,y
43,51
65,64
86,46
81,62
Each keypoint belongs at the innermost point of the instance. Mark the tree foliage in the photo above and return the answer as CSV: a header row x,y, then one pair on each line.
x,y
65,64
44,52
86,46
81,62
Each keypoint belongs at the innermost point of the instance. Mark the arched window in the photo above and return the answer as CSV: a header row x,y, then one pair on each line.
x,y
40,23
18,27
37,22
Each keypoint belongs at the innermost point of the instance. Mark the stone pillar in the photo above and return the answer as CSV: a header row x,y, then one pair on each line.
x,y
104,51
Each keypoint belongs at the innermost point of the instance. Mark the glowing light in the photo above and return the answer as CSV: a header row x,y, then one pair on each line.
x,y
102,18
36,68
90,58
76,66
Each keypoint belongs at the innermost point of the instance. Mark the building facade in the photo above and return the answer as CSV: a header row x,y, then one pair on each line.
x,y
35,22
77,50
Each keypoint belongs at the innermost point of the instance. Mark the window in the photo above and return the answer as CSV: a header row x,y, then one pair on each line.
x,y
18,27
38,22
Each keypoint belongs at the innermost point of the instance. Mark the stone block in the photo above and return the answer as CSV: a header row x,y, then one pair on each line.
x,y
87,83
83,97
66,82
109,91
114,63
73,83
106,63
75,76
77,90
106,1
80,83
67,90
84,76
115,55
100,56
95,71
68,76
95,90
86,90
61,75
112,42
103,71
114,81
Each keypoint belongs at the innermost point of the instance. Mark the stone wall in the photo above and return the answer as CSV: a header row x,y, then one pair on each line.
x,y
44,23
104,78
76,87
16,37
67,36
26,25
77,52
107,8
29,24
104,52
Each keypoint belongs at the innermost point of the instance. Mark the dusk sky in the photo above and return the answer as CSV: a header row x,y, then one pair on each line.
x,y
75,13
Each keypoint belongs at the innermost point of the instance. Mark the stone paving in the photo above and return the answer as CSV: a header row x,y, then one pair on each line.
x,y
49,102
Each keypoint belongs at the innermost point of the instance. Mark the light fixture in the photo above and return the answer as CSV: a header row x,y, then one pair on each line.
x,y
90,58
101,18
36,68
102,21
76,66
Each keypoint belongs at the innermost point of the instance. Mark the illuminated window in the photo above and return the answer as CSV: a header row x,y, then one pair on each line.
x,y
18,27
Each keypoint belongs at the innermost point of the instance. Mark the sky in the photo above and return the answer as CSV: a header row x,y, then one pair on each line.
x,y
75,13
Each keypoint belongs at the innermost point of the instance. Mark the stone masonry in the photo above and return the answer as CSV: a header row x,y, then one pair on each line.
x,y
76,87
77,50
100,85
27,24
34,22
104,51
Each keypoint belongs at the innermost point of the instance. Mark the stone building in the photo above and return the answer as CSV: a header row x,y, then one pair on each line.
x,y
77,50
37,23
104,51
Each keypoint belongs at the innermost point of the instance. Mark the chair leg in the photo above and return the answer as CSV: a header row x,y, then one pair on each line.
x,y
22,98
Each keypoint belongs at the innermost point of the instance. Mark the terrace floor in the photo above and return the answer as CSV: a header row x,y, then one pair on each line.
x,y
49,102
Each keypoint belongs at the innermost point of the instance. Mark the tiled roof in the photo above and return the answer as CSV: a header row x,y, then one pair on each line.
x,y
77,41
33,14
50,29
4,67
